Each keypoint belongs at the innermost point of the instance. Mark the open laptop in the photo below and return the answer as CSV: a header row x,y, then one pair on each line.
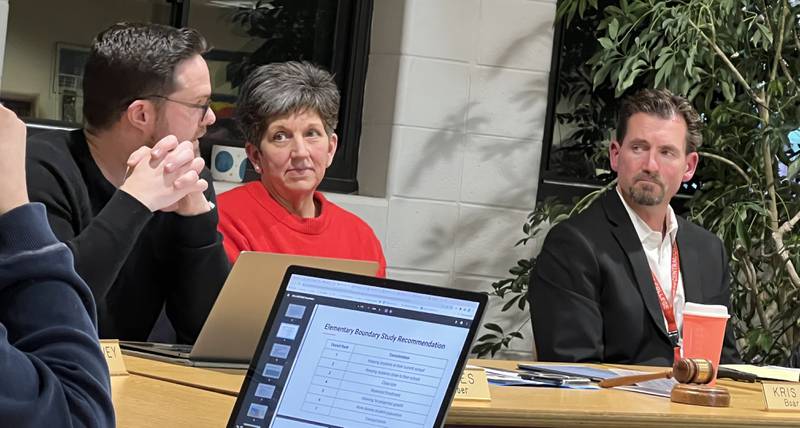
x,y
343,350
233,327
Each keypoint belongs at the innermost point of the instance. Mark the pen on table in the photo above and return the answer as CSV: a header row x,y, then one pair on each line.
x,y
728,373
555,380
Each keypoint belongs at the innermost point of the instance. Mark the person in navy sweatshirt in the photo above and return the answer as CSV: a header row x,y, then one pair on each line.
x,y
52,372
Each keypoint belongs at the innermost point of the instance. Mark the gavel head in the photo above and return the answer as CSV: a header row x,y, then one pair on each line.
x,y
693,370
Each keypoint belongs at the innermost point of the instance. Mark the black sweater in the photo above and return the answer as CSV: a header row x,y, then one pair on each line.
x,y
52,372
134,261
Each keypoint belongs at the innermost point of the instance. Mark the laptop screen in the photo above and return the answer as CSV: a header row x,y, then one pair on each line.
x,y
344,353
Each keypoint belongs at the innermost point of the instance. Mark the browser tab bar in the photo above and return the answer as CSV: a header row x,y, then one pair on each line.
x,y
391,298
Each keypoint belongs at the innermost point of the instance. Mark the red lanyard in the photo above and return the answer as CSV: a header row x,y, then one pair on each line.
x,y
667,307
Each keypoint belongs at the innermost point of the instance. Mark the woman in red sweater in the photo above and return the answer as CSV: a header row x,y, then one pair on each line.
x,y
288,112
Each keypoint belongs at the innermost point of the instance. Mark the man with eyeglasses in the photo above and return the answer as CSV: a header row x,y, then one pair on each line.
x,y
129,193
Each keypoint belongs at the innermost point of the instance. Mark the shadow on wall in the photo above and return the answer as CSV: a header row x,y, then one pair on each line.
x,y
542,33
506,160
440,146
484,245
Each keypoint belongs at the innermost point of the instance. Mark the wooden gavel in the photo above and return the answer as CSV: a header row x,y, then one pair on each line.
x,y
685,370
692,375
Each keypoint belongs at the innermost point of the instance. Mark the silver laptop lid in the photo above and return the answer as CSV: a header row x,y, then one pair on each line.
x,y
234,325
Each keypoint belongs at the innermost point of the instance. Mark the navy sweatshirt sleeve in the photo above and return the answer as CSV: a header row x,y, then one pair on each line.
x,y
52,372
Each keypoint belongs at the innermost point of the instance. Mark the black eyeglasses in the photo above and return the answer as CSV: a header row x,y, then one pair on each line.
x,y
201,107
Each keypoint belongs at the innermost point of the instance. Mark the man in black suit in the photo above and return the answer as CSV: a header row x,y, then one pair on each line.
x,y
605,288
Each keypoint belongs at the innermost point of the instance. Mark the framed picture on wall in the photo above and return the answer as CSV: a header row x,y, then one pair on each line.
x,y
69,63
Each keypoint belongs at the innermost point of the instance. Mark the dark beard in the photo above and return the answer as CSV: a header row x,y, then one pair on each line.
x,y
647,198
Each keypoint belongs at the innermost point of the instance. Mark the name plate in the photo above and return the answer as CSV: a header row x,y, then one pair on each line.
x,y
473,385
116,365
782,395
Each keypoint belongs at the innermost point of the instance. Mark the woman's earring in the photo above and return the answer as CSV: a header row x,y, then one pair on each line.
x,y
257,168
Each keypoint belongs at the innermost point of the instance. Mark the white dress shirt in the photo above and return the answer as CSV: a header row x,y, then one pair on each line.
x,y
659,256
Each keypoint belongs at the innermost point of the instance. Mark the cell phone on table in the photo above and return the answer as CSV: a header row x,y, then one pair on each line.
x,y
555,379
593,374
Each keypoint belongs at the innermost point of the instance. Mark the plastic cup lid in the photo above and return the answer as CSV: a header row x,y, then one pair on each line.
x,y
717,311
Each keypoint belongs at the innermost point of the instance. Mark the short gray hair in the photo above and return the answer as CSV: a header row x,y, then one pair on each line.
x,y
278,89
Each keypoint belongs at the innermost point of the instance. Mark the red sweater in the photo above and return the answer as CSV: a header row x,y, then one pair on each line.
x,y
251,220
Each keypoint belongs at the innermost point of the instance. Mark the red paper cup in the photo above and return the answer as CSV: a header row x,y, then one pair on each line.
x,y
704,332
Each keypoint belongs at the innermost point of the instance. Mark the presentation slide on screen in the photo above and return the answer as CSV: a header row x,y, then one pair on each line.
x,y
360,369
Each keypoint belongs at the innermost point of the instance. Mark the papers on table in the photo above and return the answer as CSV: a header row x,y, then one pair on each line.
x,y
659,387
768,372
512,378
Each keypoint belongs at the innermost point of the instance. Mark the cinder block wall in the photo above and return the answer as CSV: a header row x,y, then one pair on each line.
x,y
3,30
452,132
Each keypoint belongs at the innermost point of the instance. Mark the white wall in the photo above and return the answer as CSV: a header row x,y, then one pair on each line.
x,y
3,27
453,120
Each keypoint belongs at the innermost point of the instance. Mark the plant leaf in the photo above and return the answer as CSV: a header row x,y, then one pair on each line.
x,y
728,91
606,43
613,27
794,168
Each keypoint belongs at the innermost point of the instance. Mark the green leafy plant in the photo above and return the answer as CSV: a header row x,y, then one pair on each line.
x,y
584,112
546,215
738,62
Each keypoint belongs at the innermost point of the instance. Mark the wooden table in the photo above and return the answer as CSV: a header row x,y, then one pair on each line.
x,y
146,402
513,406
223,381
557,407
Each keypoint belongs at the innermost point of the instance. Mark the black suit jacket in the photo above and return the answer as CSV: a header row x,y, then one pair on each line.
x,y
592,294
